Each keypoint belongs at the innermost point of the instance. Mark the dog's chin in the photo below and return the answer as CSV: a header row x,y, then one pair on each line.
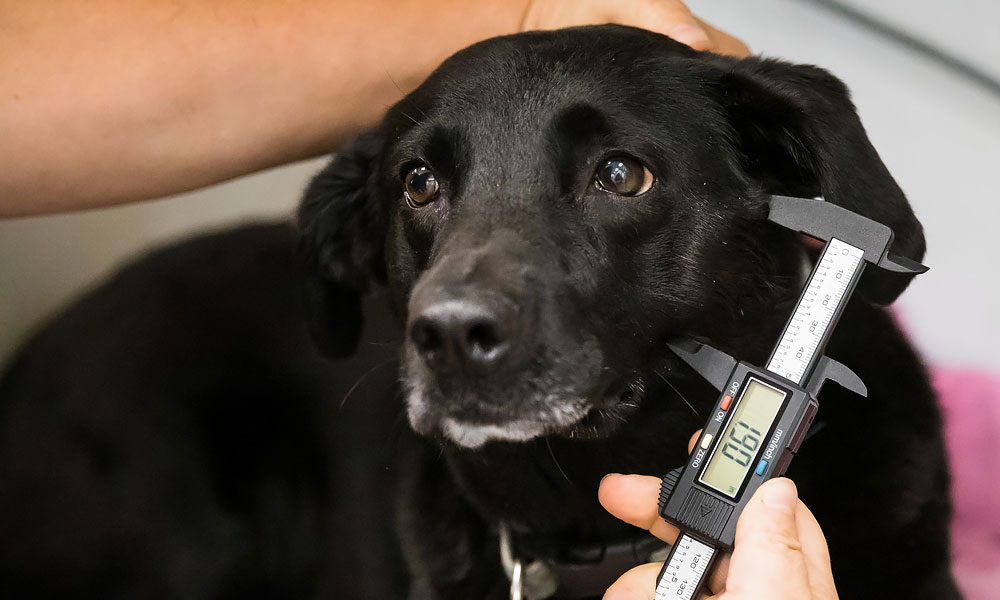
x,y
558,415
474,435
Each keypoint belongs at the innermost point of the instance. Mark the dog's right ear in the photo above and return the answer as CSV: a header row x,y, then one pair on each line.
x,y
801,135
342,231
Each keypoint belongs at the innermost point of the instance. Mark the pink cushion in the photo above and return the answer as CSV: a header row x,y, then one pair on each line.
x,y
970,404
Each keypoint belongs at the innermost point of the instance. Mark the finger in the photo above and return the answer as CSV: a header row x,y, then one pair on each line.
x,y
693,440
810,242
638,583
717,580
767,561
721,42
816,554
672,18
633,499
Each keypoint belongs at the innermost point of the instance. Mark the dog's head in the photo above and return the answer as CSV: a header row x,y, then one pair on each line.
x,y
548,207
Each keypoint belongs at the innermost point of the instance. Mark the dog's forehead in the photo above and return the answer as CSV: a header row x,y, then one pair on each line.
x,y
524,81
517,97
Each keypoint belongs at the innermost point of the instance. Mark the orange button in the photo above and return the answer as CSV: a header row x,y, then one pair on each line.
x,y
726,401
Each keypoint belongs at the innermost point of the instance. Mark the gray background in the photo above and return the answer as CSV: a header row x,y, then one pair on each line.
x,y
938,132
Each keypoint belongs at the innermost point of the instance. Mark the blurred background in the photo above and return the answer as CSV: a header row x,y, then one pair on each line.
x,y
924,78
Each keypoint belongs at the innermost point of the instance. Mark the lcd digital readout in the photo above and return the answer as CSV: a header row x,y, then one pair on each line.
x,y
734,453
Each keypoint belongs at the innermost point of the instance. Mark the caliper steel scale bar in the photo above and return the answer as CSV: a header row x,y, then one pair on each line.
x,y
762,415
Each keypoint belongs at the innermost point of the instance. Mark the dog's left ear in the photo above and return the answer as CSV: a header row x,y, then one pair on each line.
x,y
342,232
799,134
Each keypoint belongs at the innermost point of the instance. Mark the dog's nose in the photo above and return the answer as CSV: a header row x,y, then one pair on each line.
x,y
459,334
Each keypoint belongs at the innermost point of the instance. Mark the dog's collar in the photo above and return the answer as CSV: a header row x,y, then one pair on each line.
x,y
541,567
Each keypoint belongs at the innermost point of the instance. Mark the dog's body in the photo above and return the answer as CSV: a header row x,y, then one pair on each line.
x,y
543,213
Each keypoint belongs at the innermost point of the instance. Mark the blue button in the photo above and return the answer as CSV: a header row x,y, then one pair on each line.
x,y
761,466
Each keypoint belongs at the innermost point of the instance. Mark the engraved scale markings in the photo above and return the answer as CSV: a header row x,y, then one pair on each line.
x,y
807,329
684,569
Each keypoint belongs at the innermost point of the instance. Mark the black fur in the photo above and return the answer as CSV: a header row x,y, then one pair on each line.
x,y
174,434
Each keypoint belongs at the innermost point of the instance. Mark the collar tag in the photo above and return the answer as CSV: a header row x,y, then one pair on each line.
x,y
536,581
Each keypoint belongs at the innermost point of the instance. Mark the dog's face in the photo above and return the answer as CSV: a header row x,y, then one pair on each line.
x,y
547,208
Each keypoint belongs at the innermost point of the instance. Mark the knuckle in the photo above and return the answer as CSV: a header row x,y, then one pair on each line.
x,y
781,542
769,540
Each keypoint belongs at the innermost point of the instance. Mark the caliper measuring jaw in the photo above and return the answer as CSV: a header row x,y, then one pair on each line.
x,y
715,366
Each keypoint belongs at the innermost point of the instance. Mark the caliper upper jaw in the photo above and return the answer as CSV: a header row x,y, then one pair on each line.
x,y
901,264
824,220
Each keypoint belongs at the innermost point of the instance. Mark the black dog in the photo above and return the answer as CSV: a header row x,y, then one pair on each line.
x,y
543,213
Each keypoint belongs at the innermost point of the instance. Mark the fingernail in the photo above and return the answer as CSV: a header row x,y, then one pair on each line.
x,y
605,477
688,34
780,494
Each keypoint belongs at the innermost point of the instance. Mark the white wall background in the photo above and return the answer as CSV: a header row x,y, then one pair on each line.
x,y
45,262
939,134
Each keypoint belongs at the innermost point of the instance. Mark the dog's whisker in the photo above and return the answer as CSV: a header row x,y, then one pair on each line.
x,y
410,118
361,380
678,392
405,99
558,466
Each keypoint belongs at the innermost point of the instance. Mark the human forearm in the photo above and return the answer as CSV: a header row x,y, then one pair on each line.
x,y
115,100
110,101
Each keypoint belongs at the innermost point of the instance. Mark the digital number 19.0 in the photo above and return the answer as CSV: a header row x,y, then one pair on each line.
x,y
742,446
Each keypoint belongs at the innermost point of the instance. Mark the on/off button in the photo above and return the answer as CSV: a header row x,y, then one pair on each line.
x,y
726,401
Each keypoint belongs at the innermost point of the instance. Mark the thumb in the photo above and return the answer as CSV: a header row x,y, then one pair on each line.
x,y
767,559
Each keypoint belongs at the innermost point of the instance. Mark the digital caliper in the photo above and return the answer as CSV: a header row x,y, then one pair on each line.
x,y
762,415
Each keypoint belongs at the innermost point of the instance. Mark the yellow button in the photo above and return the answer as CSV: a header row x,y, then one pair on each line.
x,y
706,441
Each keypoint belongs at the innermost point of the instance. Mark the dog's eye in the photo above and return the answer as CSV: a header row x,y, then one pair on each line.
x,y
421,186
625,176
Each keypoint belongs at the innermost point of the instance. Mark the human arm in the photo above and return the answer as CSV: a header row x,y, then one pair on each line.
x,y
111,101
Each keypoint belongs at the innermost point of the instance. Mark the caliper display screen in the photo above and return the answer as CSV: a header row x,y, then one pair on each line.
x,y
734,452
